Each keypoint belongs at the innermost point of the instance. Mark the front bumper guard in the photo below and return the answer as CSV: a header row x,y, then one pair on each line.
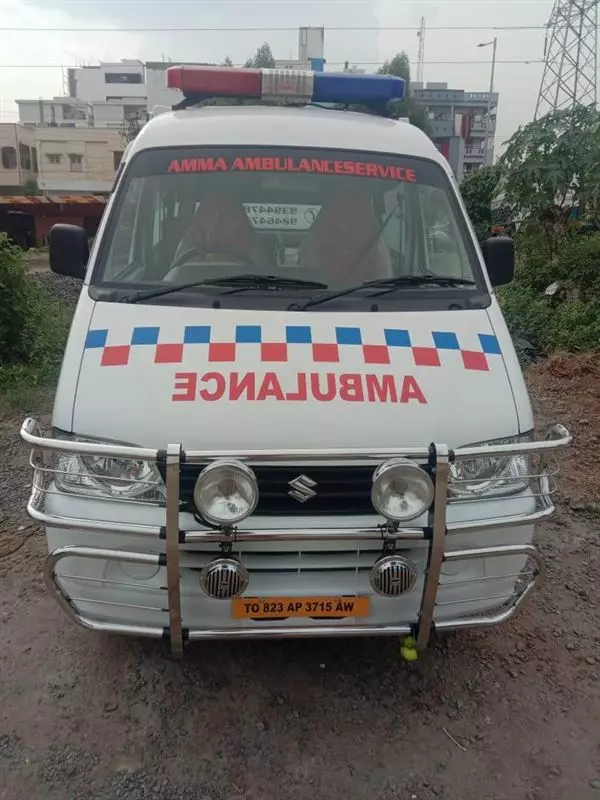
x,y
437,456
279,631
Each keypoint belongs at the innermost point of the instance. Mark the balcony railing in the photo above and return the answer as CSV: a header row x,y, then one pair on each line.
x,y
475,152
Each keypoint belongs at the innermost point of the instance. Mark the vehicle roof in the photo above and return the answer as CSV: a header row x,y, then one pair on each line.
x,y
285,127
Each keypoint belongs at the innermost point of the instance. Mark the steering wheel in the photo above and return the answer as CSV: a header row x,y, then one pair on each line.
x,y
217,248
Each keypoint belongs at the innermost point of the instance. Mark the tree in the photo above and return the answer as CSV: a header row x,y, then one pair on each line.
x,y
477,190
552,166
263,58
132,125
31,188
227,62
550,184
15,297
399,66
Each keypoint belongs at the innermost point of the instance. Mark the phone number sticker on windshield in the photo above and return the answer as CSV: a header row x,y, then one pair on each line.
x,y
281,217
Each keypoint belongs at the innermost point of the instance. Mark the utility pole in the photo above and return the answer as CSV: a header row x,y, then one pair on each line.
x,y
421,56
488,118
570,77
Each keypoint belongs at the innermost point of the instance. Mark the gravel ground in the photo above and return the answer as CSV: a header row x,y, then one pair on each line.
x,y
66,290
511,713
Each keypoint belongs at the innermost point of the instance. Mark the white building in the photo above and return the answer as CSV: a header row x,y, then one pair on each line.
x,y
109,81
102,96
106,95
459,121
157,94
58,160
311,51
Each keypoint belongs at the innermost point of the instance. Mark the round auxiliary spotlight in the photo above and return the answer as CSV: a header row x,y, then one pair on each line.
x,y
392,576
401,490
224,578
226,492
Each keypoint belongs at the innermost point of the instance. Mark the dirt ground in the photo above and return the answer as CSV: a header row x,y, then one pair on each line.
x,y
511,713
37,261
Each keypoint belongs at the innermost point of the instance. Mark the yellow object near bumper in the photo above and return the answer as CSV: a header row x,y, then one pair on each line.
x,y
409,651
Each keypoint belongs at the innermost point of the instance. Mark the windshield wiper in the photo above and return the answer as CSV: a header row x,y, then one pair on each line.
x,y
390,284
265,281
248,281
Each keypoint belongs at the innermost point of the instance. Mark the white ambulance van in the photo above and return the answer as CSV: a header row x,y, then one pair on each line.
x,y
289,404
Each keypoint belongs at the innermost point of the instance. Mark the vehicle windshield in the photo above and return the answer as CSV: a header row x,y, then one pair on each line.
x,y
335,218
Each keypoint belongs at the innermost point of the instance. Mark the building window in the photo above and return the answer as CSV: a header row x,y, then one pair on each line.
x,y
54,158
9,158
25,157
76,162
71,113
117,156
135,112
122,77
34,159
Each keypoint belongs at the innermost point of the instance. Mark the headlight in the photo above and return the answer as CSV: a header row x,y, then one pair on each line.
x,y
401,490
117,478
491,477
226,492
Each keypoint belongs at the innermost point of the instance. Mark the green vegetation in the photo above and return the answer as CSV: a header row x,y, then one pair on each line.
x,y
33,331
262,59
399,66
553,164
478,190
547,183
569,319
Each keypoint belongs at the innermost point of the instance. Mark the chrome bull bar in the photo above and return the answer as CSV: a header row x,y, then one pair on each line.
x,y
437,456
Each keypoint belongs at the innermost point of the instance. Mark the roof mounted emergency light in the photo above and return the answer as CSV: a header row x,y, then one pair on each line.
x,y
298,86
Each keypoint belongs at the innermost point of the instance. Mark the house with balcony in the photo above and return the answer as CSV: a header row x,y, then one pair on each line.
x,y
18,159
459,120
51,160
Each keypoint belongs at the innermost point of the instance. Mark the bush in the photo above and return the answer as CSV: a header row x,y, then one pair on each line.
x,y
33,329
549,325
536,266
578,264
571,319
477,190
15,302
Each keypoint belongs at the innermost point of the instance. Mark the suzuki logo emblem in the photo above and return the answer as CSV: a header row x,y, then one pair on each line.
x,y
302,488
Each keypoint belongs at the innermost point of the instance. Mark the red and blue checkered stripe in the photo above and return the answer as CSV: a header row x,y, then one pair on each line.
x,y
295,335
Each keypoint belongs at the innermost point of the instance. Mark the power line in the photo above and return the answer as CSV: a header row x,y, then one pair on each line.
x,y
263,29
285,2
354,61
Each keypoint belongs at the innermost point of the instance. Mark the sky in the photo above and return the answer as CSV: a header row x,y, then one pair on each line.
x,y
517,84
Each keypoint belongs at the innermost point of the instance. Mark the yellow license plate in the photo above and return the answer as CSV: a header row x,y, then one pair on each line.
x,y
315,607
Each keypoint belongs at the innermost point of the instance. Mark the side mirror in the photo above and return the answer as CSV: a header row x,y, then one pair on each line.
x,y
69,250
499,255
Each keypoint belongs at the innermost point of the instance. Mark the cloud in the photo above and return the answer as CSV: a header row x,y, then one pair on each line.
x,y
517,83
44,48
214,45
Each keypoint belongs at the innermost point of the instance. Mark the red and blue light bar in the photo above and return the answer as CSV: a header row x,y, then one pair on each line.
x,y
285,84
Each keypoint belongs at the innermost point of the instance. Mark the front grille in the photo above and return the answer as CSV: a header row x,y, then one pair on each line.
x,y
339,490
271,559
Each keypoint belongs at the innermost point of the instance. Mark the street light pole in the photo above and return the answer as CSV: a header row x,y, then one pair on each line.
x,y
494,44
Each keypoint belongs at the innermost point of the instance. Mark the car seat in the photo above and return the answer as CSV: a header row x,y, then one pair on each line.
x,y
220,221
345,226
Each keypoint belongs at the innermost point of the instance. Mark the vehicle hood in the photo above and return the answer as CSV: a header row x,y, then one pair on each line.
x,y
243,379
